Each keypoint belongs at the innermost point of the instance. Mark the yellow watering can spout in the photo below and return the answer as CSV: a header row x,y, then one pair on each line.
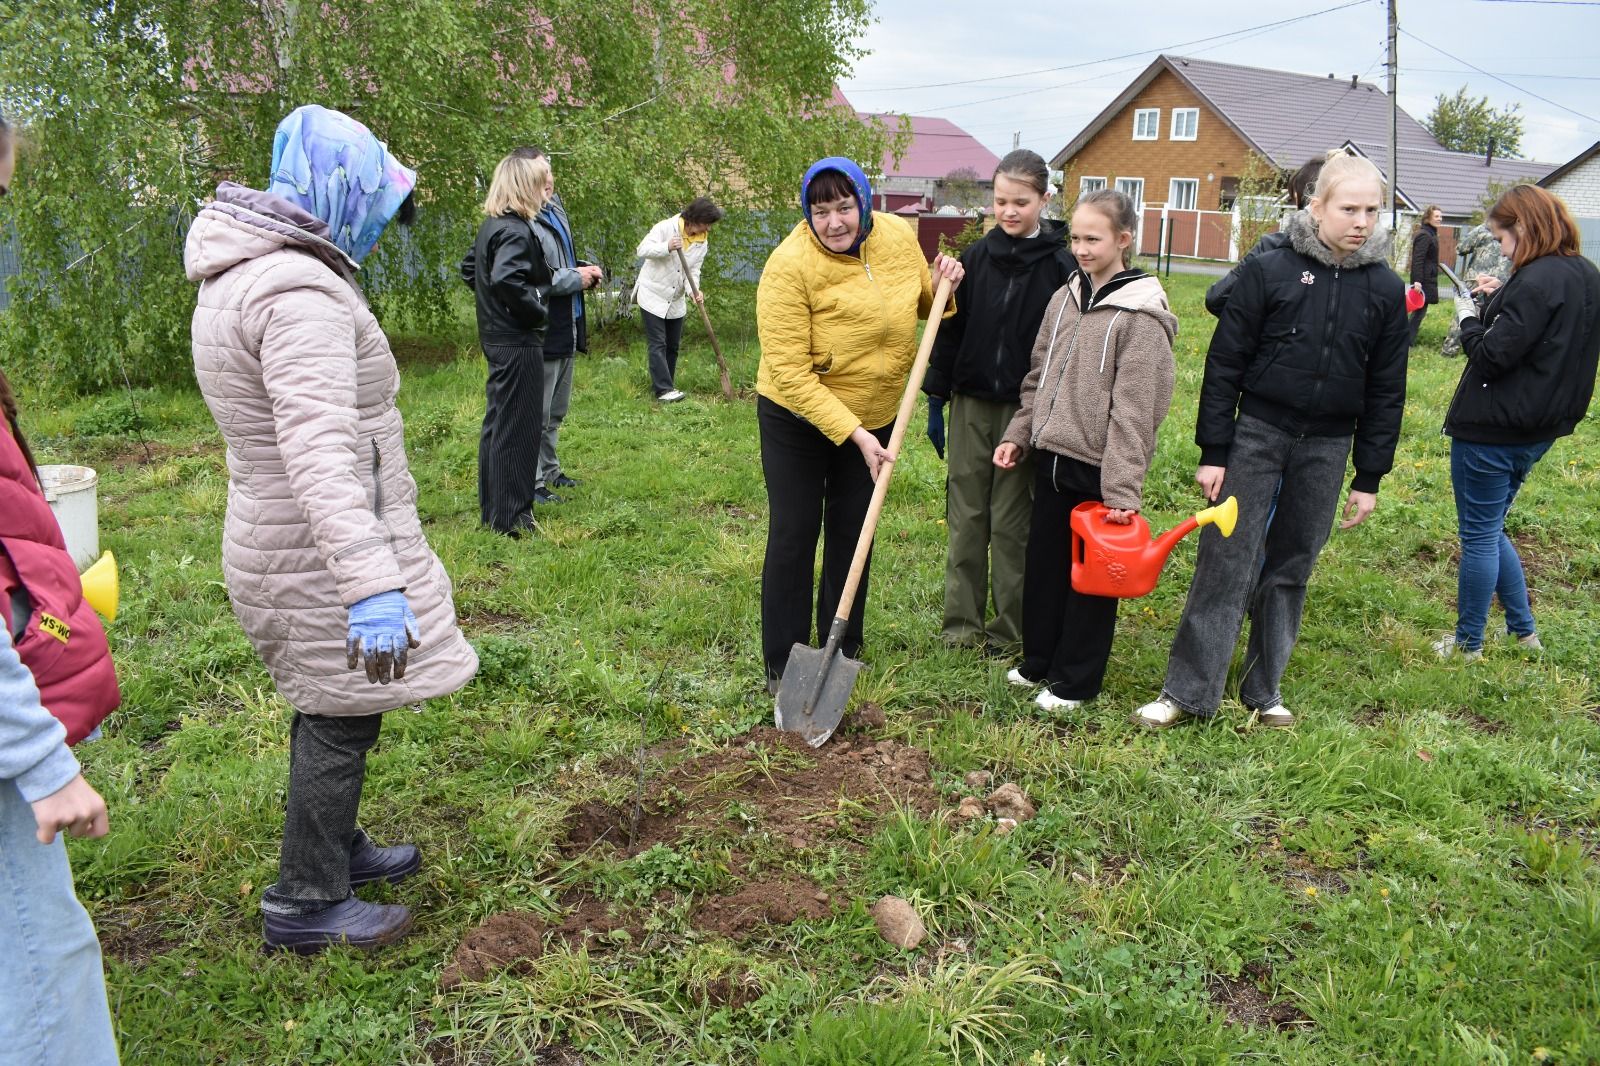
x,y
1223,516
100,587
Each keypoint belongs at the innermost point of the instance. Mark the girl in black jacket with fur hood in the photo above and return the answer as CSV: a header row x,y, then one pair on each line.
x,y
1307,369
1531,358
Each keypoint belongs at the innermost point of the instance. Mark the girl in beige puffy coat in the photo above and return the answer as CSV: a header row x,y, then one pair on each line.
x,y
1100,386
325,559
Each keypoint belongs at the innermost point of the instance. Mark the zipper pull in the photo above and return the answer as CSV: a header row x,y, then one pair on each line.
x,y
868,268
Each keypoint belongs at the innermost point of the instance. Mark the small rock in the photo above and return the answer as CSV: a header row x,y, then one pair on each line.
x,y
1004,826
820,897
898,922
870,716
1009,801
886,747
979,779
971,808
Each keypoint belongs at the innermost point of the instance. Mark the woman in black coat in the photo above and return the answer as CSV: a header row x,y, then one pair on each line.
x,y
1425,264
510,278
1531,358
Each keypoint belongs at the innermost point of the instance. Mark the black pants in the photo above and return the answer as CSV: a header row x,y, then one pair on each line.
x,y
1416,321
508,449
327,765
1066,636
661,337
813,485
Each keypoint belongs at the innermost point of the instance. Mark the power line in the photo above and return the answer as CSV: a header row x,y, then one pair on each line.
x,y
1113,59
1550,3
1502,81
1557,77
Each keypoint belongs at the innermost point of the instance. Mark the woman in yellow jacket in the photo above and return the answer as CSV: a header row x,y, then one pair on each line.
x,y
837,309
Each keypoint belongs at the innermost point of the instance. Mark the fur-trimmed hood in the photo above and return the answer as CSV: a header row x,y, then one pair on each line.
x,y
1302,231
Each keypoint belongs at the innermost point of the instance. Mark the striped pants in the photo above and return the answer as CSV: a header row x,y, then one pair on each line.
x,y
513,422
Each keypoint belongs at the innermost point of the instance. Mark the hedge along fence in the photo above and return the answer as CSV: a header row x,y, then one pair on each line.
x,y
135,112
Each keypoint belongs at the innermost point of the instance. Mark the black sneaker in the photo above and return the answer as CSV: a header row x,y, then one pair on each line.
x,y
562,481
545,496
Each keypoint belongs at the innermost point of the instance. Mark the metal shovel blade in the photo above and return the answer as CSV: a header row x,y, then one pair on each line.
x,y
837,673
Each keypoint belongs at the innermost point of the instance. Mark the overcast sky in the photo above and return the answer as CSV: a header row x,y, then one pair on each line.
x,y
1543,48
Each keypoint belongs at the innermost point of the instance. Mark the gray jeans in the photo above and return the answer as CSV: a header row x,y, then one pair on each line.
x,y
327,765
1230,573
557,398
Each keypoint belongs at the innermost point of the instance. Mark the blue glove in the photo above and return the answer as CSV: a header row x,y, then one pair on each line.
x,y
382,628
936,424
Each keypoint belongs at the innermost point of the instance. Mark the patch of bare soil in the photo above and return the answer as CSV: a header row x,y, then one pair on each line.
x,y
1586,836
133,453
1479,722
133,934
1544,564
513,939
1300,872
1242,1000
1372,714
767,781
481,620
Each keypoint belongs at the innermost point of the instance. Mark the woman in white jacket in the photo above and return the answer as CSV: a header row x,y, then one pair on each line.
x,y
662,288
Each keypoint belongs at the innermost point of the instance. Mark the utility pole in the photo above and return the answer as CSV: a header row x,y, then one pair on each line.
x,y
1394,112
1016,140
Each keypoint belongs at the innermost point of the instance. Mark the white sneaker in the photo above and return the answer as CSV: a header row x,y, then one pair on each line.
x,y
1049,701
1014,676
670,396
1531,642
1277,715
1446,647
1159,714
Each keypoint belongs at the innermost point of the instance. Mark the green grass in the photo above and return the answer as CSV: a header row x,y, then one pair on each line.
x,y
1412,868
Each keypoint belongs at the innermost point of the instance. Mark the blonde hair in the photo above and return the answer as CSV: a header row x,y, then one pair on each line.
x,y
518,185
1339,167
1117,208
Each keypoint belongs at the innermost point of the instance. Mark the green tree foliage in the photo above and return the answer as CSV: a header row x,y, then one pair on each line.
x,y
133,110
1468,125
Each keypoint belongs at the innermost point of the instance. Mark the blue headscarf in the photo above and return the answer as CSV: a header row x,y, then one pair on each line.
x,y
329,164
858,182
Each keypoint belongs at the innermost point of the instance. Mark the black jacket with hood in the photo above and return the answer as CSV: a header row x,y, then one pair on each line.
x,y
1531,357
1313,346
985,348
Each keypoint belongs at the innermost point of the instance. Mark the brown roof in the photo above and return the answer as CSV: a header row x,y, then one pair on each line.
x,y
1456,181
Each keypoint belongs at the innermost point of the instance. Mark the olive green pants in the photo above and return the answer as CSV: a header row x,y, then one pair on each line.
x,y
987,512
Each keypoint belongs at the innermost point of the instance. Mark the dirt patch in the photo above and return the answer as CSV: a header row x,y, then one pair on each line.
x,y
133,453
778,901
133,935
481,620
1544,564
780,784
1244,1003
1300,874
513,939
1477,721
1372,714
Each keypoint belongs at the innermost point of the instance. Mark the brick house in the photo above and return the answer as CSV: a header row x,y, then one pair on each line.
x,y
1577,181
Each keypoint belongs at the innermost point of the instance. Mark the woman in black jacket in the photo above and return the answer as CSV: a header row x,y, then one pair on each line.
x,y
507,272
1425,264
978,364
1531,358
1306,372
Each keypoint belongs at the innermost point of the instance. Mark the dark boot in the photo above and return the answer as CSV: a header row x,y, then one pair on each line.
x,y
352,921
370,863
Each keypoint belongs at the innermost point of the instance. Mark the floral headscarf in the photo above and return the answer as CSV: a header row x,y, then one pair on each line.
x,y
329,164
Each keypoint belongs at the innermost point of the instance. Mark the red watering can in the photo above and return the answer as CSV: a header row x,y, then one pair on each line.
x,y
1415,300
1122,561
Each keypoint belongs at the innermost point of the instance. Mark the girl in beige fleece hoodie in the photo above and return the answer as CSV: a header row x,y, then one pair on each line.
x,y
1100,385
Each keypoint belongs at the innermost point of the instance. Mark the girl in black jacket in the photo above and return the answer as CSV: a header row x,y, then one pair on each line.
x,y
1425,264
1307,367
1530,373
508,275
978,364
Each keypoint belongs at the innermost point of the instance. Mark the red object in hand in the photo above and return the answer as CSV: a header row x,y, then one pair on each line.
x,y
1110,559
1415,300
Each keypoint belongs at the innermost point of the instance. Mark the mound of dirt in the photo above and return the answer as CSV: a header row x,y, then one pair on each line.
x,y
768,782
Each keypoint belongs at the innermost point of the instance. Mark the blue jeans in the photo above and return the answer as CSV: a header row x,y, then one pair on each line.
x,y
53,1008
1263,569
1486,478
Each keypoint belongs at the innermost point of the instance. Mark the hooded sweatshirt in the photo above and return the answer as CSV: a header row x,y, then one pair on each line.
x,y
1101,380
984,350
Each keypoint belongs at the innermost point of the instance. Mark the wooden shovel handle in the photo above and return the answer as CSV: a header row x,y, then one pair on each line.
x,y
722,364
908,403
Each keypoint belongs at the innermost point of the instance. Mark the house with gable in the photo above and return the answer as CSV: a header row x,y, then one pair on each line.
x,y
1179,137
1577,181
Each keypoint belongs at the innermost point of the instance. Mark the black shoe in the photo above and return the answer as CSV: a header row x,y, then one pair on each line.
x,y
351,921
562,481
370,863
545,496
521,526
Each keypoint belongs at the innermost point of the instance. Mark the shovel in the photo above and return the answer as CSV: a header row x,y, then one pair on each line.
x,y
816,684
722,364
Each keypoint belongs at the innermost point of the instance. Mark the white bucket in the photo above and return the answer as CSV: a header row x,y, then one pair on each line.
x,y
71,493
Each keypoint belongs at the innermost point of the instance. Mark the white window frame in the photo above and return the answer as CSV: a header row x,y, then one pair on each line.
x,y
1155,123
1126,185
1174,198
1084,188
1194,124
